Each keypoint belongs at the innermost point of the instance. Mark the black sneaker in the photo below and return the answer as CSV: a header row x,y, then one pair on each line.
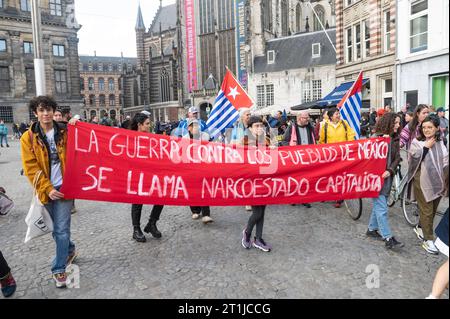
x,y
374,234
307,205
392,243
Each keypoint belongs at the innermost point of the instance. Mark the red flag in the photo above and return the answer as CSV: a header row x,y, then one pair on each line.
x,y
235,93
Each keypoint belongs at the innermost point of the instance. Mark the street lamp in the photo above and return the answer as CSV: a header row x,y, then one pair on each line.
x,y
39,63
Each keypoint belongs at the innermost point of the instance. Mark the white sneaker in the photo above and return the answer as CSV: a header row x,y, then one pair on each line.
x,y
207,220
248,208
430,247
195,216
419,233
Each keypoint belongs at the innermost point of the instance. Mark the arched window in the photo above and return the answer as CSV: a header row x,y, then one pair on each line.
x,y
298,17
92,100
81,84
267,15
112,100
112,114
102,100
165,85
101,84
93,113
111,84
321,14
91,84
284,18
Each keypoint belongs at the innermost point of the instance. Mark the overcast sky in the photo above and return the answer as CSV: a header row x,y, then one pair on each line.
x,y
108,25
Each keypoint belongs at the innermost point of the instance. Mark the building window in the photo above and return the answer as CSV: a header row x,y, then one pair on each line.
x,y
25,5
1,3
316,50
61,82
55,7
3,47
357,41
260,96
85,67
58,50
419,26
95,67
101,84
31,80
306,92
387,31
284,18
82,87
267,14
270,95
4,79
112,100
349,45
111,85
387,92
92,99
411,98
91,85
102,99
366,38
28,48
270,57
317,90
93,114
320,11
164,85
6,114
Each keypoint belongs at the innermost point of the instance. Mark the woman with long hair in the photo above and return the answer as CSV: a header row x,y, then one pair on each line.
x,y
141,123
411,131
388,126
427,160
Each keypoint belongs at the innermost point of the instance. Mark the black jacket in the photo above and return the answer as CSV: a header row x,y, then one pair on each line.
x,y
288,134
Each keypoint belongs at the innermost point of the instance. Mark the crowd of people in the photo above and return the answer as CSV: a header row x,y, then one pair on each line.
x,y
44,146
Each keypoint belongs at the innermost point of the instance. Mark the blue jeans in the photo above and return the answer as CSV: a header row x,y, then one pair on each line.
x,y
379,218
60,212
4,138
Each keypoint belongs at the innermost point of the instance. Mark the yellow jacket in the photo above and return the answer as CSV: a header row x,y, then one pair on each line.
x,y
336,134
35,157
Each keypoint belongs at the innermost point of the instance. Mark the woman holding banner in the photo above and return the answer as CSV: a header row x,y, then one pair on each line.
x,y
141,123
256,137
387,126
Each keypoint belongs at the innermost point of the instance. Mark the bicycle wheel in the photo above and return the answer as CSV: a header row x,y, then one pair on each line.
x,y
410,209
353,207
393,193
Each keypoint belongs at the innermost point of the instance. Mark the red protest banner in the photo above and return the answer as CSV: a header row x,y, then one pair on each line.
x,y
115,165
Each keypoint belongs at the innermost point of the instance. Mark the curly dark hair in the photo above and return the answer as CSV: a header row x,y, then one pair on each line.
x,y
434,119
46,102
386,123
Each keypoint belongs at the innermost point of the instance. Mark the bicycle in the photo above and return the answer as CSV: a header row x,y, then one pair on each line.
x,y
354,208
400,190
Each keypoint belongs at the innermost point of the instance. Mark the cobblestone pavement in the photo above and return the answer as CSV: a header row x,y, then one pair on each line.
x,y
318,253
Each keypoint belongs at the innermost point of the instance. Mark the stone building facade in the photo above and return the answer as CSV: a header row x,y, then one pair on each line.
x,y
154,84
60,51
366,41
101,85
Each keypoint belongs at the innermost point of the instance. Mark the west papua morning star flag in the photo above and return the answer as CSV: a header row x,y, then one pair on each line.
x,y
230,99
351,106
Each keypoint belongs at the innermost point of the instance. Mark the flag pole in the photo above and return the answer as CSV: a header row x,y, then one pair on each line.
x,y
321,25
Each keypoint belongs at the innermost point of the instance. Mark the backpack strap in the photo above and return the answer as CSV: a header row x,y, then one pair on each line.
x,y
326,132
345,128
